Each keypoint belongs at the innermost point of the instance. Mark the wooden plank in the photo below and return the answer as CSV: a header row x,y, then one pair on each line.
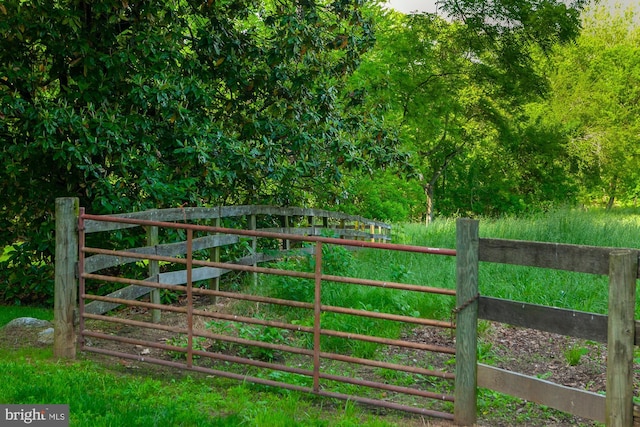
x,y
466,390
130,292
622,300
99,262
180,277
581,403
573,323
196,213
577,324
578,258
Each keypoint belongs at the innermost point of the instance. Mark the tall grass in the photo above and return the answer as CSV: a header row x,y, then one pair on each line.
x,y
563,289
579,291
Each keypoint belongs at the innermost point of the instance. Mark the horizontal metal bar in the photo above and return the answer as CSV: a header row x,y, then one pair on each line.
x,y
208,354
386,365
326,332
262,381
387,316
135,323
135,303
388,387
386,404
274,271
255,298
266,234
304,352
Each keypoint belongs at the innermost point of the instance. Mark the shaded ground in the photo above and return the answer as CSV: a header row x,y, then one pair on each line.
x,y
566,361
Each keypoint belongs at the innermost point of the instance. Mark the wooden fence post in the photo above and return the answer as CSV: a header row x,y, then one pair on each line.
x,y
466,310
253,225
623,266
154,273
214,255
286,244
66,282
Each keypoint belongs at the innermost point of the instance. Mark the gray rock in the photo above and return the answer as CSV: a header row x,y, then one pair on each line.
x,y
28,322
46,336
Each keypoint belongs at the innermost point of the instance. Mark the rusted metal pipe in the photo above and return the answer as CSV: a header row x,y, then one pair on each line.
x,y
271,235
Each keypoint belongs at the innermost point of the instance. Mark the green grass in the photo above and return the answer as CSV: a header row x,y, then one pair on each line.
x,y
10,312
99,396
578,291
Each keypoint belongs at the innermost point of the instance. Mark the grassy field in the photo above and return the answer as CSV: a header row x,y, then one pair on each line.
x,y
578,291
101,396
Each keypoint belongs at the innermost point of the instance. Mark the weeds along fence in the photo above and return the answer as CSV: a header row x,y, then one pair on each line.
x,y
212,340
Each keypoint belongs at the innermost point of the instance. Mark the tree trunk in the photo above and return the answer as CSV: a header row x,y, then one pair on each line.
x,y
428,192
612,195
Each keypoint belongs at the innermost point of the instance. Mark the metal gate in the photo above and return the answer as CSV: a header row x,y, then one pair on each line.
x,y
196,332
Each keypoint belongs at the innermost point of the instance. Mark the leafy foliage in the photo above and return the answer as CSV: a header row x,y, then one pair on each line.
x,y
595,99
458,90
130,105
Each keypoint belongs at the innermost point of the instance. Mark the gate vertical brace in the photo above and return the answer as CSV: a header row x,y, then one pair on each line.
x,y
317,305
465,406
623,266
66,285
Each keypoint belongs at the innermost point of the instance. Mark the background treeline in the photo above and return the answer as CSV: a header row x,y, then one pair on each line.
x,y
505,106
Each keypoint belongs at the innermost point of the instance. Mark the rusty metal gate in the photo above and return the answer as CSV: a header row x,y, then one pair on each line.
x,y
191,333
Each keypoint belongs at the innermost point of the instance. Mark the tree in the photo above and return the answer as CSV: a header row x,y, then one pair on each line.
x,y
596,91
136,104
458,89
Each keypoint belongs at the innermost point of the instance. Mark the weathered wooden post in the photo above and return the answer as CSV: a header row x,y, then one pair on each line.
x,y
214,255
286,244
154,273
623,267
467,319
66,282
253,225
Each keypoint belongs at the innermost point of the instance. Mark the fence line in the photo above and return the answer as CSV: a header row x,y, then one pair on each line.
x,y
617,329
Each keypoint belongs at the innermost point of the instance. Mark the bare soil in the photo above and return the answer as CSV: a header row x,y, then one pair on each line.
x,y
516,349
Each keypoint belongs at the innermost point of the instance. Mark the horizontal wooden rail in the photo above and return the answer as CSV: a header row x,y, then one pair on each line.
x,y
573,323
558,256
200,213
574,401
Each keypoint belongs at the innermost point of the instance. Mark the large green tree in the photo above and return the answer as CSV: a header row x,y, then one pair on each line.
x,y
458,90
596,94
133,104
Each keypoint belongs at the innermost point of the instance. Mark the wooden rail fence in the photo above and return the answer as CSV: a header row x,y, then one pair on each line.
x,y
618,329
